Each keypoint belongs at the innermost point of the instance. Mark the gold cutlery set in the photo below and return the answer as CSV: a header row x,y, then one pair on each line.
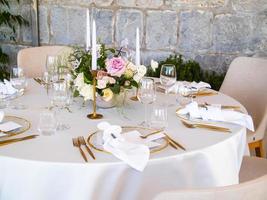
x,y
79,142
205,126
189,124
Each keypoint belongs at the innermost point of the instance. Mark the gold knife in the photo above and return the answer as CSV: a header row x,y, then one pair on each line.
x,y
173,141
10,141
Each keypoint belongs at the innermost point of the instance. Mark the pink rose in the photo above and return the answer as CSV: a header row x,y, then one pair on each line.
x,y
101,74
116,66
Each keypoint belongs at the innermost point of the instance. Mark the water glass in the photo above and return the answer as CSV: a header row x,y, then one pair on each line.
x,y
19,82
184,95
47,123
4,101
168,76
18,79
52,67
159,117
146,95
59,97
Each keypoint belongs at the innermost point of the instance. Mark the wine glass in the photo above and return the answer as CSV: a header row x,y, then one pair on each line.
x,y
51,67
167,76
59,99
19,82
146,95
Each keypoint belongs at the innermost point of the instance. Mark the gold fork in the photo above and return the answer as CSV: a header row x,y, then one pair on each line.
x,y
206,126
82,142
149,134
77,144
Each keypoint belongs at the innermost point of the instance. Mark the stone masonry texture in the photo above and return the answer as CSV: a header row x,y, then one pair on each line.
x,y
211,32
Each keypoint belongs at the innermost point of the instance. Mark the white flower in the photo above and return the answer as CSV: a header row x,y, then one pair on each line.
x,y
154,65
98,49
102,83
131,66
107,94
79,81
87,92
76,63
141,71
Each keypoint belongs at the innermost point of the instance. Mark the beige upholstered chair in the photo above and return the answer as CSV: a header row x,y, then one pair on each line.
x,y
255,172
246,81
33,60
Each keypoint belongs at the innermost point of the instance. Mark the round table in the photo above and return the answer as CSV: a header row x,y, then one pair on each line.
x,y
49,167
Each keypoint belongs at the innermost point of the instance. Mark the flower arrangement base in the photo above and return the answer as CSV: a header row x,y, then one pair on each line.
x,y
134,98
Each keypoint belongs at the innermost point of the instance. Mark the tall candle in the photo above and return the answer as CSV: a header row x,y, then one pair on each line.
x,y
88,36
137,48
94,56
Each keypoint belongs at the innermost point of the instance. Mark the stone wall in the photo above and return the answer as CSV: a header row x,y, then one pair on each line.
x,y
213,32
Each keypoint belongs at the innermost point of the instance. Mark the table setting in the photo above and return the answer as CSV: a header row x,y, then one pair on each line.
x,y
78,133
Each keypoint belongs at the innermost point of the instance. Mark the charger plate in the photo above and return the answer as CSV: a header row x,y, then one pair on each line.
x,y
25,125
163,141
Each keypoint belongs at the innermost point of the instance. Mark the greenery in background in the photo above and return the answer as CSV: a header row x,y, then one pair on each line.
x,y
11,21
189,71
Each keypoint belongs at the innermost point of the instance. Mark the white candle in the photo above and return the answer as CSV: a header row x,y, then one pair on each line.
x,y
94,56
137,48
88,36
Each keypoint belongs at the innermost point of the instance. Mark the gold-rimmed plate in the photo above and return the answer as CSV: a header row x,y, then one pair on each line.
x,y
25,125
92,139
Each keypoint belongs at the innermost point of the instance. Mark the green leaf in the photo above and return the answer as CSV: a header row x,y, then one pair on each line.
x,y
115,89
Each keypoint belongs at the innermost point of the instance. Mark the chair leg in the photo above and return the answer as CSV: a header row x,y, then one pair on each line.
x,y
258,147
262,151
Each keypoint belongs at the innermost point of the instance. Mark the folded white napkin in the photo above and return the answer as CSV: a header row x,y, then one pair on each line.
x,y
214,112
199,86
135,155
193,86
6,88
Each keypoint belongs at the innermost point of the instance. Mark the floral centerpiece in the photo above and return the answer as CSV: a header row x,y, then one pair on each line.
x,y
115,74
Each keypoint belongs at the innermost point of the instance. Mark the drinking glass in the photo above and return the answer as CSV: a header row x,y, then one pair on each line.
x,y
4,100
168,76
19,82
59,99
184,95
18,79
159,117
51,67
47,81
146,95
47,123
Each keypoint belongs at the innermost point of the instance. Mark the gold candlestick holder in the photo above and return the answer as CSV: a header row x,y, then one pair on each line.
x,y
94,115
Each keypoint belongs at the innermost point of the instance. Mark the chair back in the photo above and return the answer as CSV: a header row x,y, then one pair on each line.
x,y
33,60
255,189
246,81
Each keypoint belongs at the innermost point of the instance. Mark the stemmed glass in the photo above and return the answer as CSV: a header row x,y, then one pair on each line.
x,y
59,98
51,67
19,82
146,95
168,76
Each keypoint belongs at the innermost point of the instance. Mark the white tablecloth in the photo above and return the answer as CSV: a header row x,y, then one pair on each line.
x,y
49,167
